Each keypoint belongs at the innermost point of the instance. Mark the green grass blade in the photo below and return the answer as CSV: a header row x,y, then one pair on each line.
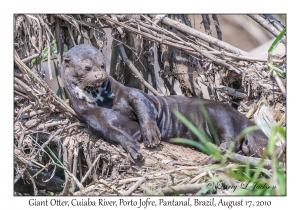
x,y
190,126
277,41
206,188
174,191
191,143
246,131
210,124
206,148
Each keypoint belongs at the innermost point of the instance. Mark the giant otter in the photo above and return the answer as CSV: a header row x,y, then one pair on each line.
x,y
127,116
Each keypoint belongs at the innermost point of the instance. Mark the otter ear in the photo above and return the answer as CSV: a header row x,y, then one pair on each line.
x,y
66,59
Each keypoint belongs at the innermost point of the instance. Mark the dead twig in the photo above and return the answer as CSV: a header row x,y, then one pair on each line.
x,y
243,57
186,29
217,25
253,161
26,60
197,177
66,189
185,46
135,186
75,165
86,154
276,23
44,84
28,90
181,189
280,84
264,23
90,168
230,91
206,23
135,71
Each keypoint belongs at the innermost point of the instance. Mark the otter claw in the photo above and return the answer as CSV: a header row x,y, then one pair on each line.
x,y
151,135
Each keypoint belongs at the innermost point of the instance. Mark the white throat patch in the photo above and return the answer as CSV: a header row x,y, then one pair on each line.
x,y
89,94
100,96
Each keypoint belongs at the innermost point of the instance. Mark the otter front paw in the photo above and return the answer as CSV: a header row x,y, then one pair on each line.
x,y
133,149
150,134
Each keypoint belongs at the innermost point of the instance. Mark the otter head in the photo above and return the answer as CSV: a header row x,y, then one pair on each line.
x,y
85,76
84,66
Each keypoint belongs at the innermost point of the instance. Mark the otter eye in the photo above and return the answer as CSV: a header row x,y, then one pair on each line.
x,y
88,68
66,59
102,66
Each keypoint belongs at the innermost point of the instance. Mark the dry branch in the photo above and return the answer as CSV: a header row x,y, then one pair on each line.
x,y
135,186
26,60
185,46
44,84
90,169
277,24
253,161
135,71
182,189
185,29
280,84
264,23
217,25
230,91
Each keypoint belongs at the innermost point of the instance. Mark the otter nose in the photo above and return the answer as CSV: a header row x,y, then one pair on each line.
x,y
98,75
